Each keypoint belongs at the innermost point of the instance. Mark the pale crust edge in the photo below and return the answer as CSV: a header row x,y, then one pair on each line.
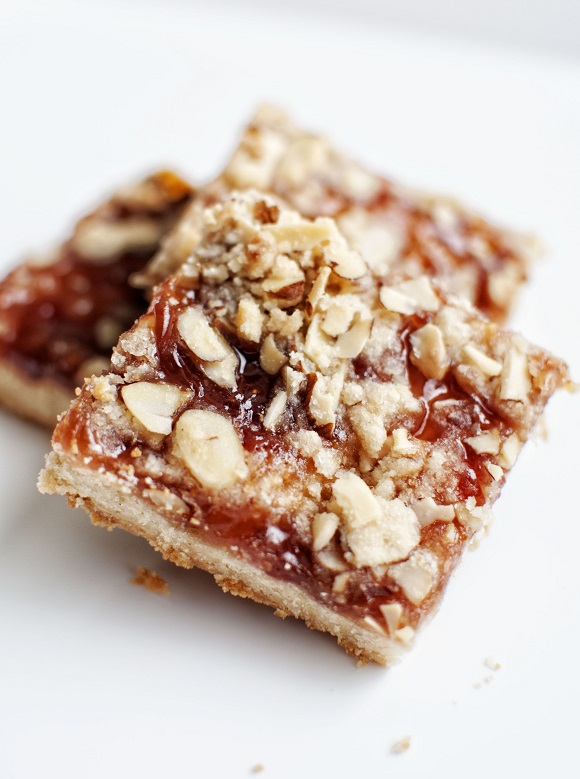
x,y
108,506
39,400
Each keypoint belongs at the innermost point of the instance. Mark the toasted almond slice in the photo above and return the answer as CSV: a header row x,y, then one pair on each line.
x,y
495,471
405,635
421,292
485,443
340,582
153,404
509,451
428,511
394,300
223,373
205,342
417,575
392,612
429,353
271,358
100,241
324,527
487,365
515,376
209,446
350,344
302,235
318,288
275,410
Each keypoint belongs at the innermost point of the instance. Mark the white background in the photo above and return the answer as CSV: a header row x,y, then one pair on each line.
x,y
99,678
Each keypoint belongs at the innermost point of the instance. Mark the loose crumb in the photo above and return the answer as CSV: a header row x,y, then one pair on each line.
x,y
258,768
151,581
492,663
402,745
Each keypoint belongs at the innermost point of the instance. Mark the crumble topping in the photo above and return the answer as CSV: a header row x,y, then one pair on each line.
x,y
346,432
394,229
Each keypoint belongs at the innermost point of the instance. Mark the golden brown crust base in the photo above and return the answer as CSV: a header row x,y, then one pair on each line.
x,y
40,401
110,507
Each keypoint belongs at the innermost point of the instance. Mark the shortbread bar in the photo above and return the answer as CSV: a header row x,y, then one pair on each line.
x,y
318,440
60,315
394,228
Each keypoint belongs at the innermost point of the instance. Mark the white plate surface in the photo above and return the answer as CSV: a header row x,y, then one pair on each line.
x,y
99,678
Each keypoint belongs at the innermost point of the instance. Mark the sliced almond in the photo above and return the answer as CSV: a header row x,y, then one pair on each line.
x,y
100,241
350,344
421,292
509,451
340,582
405,635
318,288
318,346
515,376
487,365
392,612
223,373
205,342
324,526
153,404
417,575
209,446
429,353
271,358
485,443
495,470
275,410
394,300
428,511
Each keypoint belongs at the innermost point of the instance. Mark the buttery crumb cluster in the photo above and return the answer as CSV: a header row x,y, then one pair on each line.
x,y
281,396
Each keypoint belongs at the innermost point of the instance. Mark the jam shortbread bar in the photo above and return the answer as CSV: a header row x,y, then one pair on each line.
x,y
319,439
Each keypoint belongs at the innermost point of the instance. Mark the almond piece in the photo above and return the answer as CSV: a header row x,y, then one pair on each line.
x,y
417,575
485,443
515,376
210,448
487,365
100,241
205,342
429,353
153,404
392,612
377,531
324,527
350,344
428,511
271,358
275,410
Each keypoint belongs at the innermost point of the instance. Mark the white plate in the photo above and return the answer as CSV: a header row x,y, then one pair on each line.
x,y
99,678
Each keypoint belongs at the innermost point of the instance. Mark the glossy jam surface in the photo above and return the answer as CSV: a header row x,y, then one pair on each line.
x,y
54,318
